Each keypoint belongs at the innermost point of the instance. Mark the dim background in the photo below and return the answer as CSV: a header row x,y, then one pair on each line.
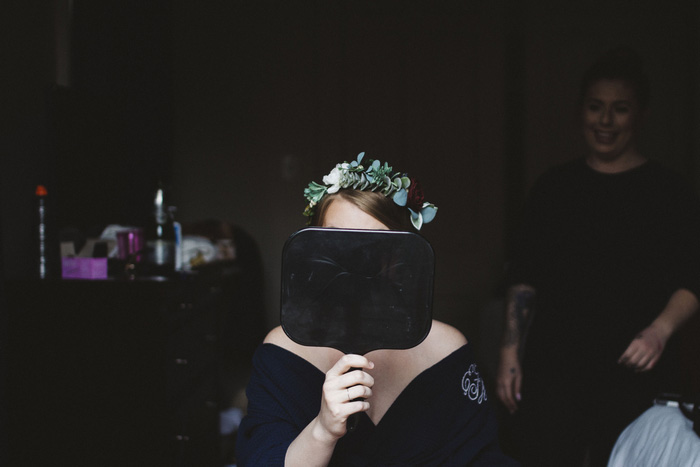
x,y
237,105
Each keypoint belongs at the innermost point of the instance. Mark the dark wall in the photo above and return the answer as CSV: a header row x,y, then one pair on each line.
x,y
272,98
114,128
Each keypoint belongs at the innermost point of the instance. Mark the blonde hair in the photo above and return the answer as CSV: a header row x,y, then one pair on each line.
x,y
375,204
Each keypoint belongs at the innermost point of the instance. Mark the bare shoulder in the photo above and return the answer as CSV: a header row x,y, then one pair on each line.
x,y
442,340
278,337
321,357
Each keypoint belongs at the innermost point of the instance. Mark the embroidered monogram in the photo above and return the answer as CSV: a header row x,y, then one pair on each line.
x,y
473,385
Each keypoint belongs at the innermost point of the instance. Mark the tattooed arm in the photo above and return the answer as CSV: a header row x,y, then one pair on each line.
x,y
518,308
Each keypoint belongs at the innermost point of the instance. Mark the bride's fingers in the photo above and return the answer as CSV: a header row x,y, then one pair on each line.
x,y
348,362
353,378
346,373
357,392
356,406
345,388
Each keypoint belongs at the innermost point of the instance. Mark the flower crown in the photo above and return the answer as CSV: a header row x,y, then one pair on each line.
x,y
399,187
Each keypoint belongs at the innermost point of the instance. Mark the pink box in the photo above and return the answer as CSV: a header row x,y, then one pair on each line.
x,y
84,268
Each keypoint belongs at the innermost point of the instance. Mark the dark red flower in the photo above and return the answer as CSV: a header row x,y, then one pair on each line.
x,y
415,196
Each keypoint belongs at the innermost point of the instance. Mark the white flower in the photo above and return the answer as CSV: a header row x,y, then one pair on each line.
x,y
333,179
340,177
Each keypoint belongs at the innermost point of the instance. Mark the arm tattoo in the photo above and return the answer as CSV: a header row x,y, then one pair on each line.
x,y
518,306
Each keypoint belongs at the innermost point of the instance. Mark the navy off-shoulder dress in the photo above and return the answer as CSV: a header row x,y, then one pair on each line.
x,y
441,418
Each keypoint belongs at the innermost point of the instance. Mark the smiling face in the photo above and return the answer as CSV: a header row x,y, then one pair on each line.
x,y
611,117
342,214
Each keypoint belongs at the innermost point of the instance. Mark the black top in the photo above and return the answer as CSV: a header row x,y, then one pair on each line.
x,y
604,252
441,418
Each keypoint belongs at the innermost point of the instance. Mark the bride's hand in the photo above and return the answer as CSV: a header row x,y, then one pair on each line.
x,y
339,391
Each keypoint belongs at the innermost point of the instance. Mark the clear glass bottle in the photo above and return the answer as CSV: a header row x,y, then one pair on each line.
x,y
160,238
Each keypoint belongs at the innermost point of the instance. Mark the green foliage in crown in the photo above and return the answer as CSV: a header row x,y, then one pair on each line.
x,y
402,189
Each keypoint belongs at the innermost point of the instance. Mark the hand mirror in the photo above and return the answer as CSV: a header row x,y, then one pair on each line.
x,y
357,290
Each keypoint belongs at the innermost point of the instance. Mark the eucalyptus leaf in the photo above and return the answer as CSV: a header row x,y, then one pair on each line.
x,y
417,223
428,213
401,197
416,219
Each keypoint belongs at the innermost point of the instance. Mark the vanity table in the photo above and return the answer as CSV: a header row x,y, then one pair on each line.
x,y
123,372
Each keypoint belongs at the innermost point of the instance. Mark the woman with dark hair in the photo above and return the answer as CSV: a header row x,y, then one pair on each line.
x,y
415,410
605,270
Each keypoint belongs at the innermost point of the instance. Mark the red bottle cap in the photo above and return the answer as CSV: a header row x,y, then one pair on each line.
x,y
41,190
